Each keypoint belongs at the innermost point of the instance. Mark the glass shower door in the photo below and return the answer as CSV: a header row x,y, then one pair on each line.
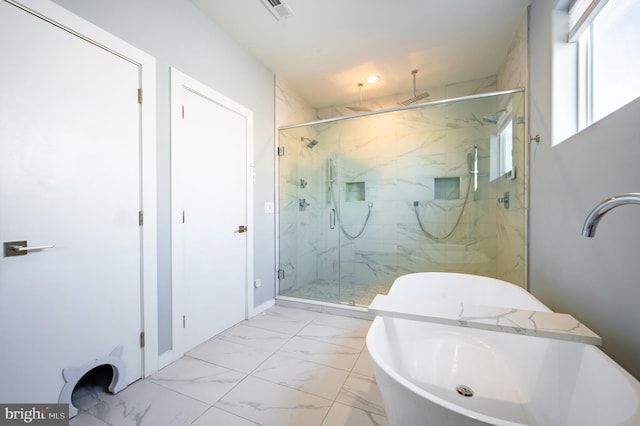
x,y
309,265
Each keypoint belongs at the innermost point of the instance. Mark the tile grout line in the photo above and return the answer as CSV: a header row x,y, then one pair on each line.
x,y
333,401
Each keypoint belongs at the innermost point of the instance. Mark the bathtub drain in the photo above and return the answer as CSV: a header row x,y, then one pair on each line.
x,y
464,390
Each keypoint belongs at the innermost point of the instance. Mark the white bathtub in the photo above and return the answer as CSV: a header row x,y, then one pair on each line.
x,y
516,380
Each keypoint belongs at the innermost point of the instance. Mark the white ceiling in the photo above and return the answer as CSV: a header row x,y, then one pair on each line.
x,y
328,46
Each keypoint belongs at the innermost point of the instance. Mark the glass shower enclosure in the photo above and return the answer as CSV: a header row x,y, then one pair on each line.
x,y
364,199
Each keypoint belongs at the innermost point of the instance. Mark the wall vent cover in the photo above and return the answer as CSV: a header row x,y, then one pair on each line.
x,y
278,8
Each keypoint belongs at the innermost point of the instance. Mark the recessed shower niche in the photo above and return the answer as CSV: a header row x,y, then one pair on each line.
x,y
446,188
355,191
396,191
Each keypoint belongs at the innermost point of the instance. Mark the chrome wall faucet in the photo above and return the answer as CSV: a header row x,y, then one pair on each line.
x,y
590,225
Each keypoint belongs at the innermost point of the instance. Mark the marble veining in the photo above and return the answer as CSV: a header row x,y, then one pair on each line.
x,y
507,320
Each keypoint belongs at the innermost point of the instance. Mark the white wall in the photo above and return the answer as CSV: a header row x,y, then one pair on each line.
x,y
178,35
595,280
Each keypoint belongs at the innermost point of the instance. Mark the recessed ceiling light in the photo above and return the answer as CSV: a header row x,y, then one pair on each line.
x,y
373,79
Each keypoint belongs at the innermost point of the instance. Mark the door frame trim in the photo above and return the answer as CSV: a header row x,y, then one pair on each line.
x,y
146,64
179,82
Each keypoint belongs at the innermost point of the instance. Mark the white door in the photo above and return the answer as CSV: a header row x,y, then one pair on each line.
x,y
209,173
70,178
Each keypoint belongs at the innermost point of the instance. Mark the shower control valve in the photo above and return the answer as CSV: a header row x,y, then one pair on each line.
x,y
505,200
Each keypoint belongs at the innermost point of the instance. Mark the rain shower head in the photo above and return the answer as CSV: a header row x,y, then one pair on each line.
x,y
312,142
416,97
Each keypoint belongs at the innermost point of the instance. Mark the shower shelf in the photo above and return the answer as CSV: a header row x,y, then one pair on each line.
x,y
355,191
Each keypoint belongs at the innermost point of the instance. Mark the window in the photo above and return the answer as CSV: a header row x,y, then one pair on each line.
x,y
501,146
608,36
506,148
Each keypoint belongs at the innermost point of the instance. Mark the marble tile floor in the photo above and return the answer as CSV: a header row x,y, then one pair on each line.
x,y
284,367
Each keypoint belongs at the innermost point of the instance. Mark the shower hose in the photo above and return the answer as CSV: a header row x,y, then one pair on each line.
x,y
434,237
344,231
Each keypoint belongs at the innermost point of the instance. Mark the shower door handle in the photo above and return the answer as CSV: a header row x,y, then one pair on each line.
x,y
332,218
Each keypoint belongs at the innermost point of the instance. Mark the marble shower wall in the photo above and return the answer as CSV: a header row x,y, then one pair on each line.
x,y
397,158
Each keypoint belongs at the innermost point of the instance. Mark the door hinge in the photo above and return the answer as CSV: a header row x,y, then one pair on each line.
x,y
281,274
281,151
184,321
142,339
183,112
139,96
140,218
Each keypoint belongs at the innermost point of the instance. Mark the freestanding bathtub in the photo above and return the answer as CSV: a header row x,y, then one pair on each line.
x,y
426,371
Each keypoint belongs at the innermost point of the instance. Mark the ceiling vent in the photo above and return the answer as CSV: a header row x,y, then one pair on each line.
x,y
278,8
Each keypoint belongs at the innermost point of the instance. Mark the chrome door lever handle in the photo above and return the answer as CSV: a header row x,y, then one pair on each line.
x,y
20,248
